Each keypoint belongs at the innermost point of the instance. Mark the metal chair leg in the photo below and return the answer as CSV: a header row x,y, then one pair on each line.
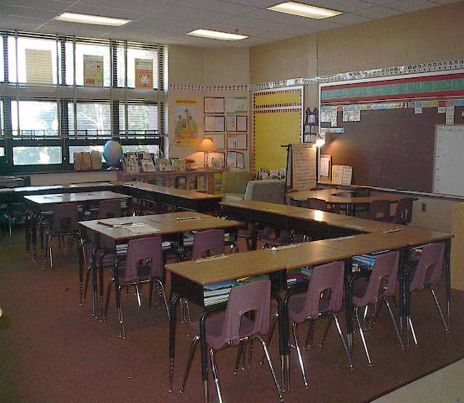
x,y
437,304
326,330
122,331
310,335
411,328
193,346
150,294
49,241
163,294
137,294
108,294
274,319
238,358
86,284
271,367
343,340
361,332
215,375
392,316
300,354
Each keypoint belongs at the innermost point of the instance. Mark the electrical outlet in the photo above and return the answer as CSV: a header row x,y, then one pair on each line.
x,y
424,207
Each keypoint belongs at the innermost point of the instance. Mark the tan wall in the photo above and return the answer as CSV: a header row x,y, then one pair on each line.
x,y
426,36
202,66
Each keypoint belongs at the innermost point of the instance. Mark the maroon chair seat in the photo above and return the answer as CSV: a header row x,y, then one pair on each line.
x,y
379,210
232,327
403,212
382,284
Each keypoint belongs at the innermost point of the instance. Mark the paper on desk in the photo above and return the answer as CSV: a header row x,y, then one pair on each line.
x,y
142,228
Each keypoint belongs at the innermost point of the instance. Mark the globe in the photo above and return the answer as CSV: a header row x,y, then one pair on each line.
x,y
112,152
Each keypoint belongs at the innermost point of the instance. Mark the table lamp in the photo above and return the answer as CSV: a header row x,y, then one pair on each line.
x,y
206,146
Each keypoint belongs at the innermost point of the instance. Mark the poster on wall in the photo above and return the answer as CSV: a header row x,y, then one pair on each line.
x,y
237,105
93,70
186,130
39,66
143,73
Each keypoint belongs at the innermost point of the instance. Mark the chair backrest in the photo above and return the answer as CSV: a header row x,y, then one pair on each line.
x,y
65,218
267,190
431,259
327,279
317,204
253,297
208,243
144,260
383,279
109,209
379,210
235,181
403,212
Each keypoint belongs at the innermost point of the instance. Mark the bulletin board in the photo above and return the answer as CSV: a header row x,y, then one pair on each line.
x,y
277,120
385,129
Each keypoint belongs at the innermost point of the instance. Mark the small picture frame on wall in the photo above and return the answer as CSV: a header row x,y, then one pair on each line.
x,y
214,104
214,123
215,160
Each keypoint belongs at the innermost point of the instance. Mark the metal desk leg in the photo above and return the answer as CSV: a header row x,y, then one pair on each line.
x,y
349,303
282,308
172,338
204,356
406,296
34,237
448,280
254,236
101,292
402,284
93,258
80,253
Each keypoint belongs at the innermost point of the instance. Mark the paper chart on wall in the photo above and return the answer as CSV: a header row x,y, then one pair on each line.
x,y
186,129
214,105
143,73
214,123
231,123
238,141
237,105
93,70
39,66
242,123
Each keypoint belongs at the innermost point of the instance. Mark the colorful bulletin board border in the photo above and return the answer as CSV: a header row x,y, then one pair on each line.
x,y
394,89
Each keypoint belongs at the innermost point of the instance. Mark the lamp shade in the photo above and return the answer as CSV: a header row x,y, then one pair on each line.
x,y
207,145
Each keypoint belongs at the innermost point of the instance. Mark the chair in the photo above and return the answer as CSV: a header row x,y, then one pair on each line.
x,y
246,318
427,274
143,264
64,223
207,243
382,285
403,212
316,204
109,209
233,184
324,297
379,210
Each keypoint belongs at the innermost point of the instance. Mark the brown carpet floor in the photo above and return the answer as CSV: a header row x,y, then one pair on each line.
x,y
52,350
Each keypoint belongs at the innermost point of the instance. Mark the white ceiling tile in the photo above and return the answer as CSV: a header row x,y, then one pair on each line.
x,y
106,11
377,12
219,6
411,5
26,12
349,19
255,3
21,23
151,6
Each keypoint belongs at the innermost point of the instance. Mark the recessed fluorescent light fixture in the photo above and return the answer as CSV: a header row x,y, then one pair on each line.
x,y
92,19
304,10
222,36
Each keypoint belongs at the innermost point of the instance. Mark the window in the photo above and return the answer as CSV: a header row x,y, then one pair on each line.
x,y
36,61
140,118
42,125
37,155
141,69
88,65
93,119
34,118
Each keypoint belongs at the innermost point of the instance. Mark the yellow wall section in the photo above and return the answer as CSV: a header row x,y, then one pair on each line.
x,y
271,130
273,99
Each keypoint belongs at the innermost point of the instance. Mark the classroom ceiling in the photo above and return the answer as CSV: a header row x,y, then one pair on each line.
x,y
168,21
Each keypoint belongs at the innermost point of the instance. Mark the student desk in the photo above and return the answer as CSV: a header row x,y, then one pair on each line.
x,y
106,234
189,278
335,197
38,204
179,198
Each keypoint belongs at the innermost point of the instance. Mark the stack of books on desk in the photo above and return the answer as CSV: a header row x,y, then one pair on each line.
x,y
218,293
298,276
364,261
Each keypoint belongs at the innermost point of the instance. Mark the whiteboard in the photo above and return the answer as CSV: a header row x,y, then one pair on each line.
x,y
449,160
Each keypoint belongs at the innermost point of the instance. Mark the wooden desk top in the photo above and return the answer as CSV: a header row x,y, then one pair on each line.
x,y
184,193
77,186
333,219
331,196
125,228
74,197
254,263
